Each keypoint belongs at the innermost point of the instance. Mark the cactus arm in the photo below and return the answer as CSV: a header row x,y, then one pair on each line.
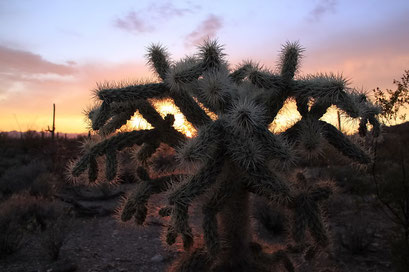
x,y
292,133
147,150
211,54
184,195
117,142
158,58
343,144
92,169
318,109
204,145
307,213
177,78
291,53
316,226
215,91
136,203
111,163
101,116
132,92
300,223
267,184
275,146
238,75
116,122
326,87
149,113
222,193
188,106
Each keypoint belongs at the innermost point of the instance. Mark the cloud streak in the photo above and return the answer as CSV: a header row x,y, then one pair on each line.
x,y
168,10
136,21
321,9
19,61
206,29
133,23
29,97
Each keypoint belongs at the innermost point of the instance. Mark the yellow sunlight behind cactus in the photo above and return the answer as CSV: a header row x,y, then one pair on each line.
x,y
286,117
164,107
137,122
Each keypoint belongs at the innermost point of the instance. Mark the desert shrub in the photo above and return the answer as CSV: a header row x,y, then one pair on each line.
x,y
20,177
392,101
11,235
357,237
389,173
22,214
352,180
400,253
29,212
55,236
44,185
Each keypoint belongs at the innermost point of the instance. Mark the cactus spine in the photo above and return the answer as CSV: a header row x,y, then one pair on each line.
x,y
233,156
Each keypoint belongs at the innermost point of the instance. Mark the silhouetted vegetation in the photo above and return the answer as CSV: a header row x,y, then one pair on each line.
x,y
231,157
392,101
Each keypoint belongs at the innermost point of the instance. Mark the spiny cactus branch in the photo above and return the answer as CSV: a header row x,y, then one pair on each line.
x,y
232,155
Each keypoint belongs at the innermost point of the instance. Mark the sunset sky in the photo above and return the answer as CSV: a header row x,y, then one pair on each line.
x,y
56,51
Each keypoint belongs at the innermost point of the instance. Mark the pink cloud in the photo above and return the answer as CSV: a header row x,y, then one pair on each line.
x,y
28,97
19,61
206,29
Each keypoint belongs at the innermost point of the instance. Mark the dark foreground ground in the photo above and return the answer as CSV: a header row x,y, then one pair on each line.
x,y
41,217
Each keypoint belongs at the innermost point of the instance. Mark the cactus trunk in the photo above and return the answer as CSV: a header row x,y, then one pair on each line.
x,y
235,232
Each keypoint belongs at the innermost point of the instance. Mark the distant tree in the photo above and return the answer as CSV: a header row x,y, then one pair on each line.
x,y
391,101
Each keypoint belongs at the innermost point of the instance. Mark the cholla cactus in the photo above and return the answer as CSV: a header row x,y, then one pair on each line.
x,y
232,156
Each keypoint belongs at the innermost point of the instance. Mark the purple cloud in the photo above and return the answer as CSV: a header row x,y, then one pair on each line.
x,y
136,22
323,7
168,10
133,23
206,29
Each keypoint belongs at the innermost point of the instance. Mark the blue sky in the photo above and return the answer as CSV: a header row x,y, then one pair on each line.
x,y
55,51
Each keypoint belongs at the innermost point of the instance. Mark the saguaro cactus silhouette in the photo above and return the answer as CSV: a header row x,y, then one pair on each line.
x,y
233,155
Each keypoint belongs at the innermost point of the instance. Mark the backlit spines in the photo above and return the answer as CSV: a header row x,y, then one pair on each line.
x,y
291,54
231,155
158,58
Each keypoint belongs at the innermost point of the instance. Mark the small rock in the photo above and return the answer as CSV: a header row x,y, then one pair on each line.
x,y
157,258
